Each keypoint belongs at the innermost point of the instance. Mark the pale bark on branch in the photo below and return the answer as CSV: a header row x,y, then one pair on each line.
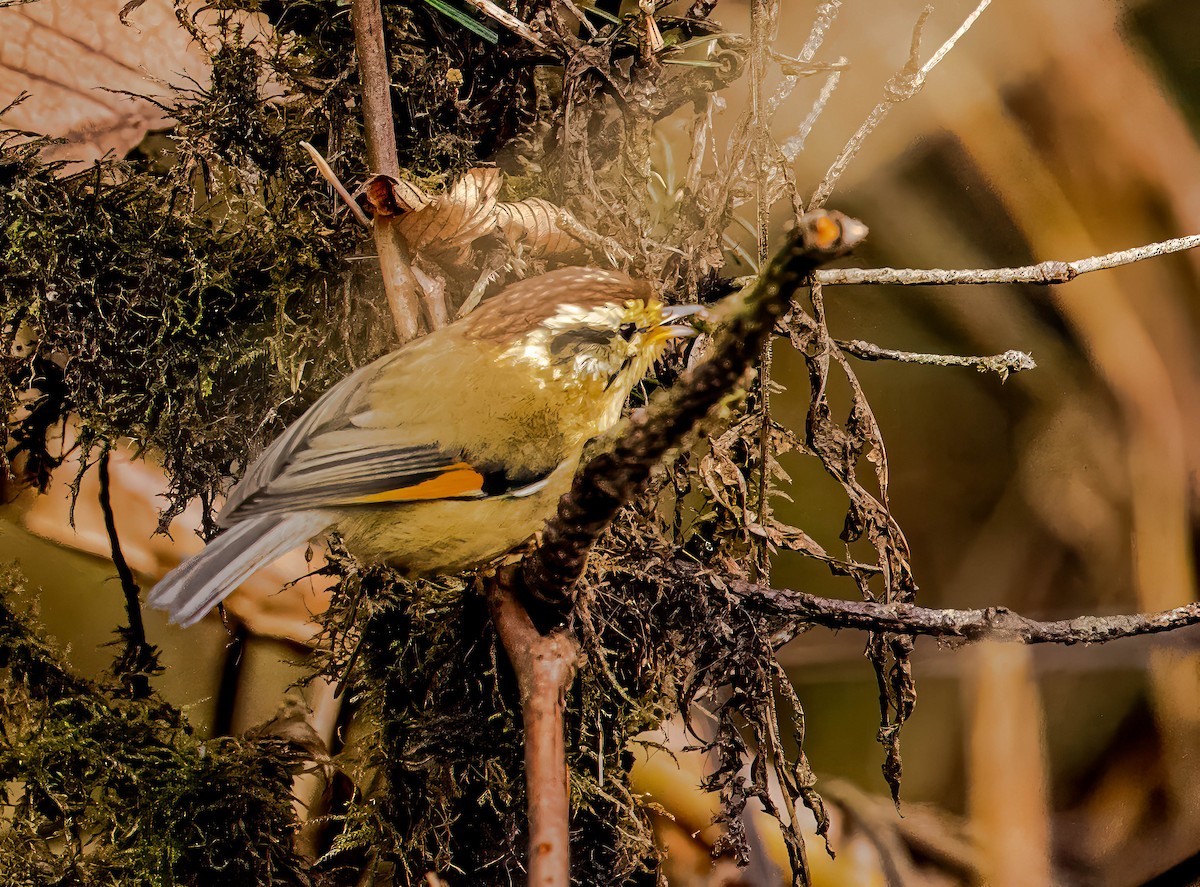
x,y
395,261
1042,273
989,623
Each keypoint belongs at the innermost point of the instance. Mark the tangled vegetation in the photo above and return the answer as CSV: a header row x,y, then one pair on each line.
x,y
198,301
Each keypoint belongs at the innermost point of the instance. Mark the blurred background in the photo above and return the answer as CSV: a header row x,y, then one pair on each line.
x,y
1053,131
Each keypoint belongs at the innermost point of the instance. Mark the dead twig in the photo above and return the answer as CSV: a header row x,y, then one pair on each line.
x,y
906,83
330,176
1002,365
990,623
1042,273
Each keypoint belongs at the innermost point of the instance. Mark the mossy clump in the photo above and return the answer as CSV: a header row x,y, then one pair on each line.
x,y
102,788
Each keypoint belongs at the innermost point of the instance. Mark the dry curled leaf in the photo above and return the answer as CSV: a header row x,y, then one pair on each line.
x,y
469,210
76,60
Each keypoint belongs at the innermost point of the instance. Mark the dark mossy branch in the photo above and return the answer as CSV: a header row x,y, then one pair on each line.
x,y
139,657
545,664
612,478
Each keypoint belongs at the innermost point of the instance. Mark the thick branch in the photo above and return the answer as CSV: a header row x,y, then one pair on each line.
x,y
613,477
545,664
992,623
545,667
1042,273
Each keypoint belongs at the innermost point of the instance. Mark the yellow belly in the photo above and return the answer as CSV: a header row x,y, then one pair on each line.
x,y
447,536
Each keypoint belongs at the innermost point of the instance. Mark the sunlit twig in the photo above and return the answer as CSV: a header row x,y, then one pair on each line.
x,y
1042,273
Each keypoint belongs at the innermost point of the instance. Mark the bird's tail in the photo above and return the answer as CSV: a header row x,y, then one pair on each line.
x,y
200,583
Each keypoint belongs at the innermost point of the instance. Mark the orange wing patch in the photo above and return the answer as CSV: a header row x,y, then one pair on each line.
x,y
459,479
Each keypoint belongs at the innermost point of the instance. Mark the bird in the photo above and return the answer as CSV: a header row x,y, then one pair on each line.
x,y
451,450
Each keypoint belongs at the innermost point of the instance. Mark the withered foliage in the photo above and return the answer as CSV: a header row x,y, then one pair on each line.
x,y
197,302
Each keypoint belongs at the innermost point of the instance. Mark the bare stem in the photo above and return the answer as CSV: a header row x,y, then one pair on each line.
x,y
991,623
1042,273
905,84
545,667
394,260
1002,364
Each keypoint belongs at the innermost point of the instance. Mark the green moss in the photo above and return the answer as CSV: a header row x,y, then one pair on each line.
x,y
103,788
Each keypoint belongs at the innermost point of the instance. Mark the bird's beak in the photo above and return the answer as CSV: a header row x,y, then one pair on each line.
x,y
673,313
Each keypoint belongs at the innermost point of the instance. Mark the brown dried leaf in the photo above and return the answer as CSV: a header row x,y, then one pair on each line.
x,y
535,223
452,221
72,55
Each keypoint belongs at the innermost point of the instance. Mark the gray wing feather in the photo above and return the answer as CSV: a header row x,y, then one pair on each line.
x,y
334,409
200,583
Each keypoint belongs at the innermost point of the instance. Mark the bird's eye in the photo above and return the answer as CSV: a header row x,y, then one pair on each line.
x,y
627,330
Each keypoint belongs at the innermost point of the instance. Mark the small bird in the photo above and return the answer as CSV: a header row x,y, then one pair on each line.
x,y
450,450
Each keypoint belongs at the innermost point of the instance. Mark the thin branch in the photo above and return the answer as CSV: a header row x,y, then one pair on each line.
x,y
514,24
954,38
139,655
992,623
545,667
794,143
580,16
803,64
330,176
762,24
1002,364
394,259
905,84
1042,273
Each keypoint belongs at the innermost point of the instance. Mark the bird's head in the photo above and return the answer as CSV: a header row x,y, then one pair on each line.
x,y
596,330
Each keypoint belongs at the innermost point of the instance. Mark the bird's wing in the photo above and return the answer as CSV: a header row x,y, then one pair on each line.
x,y
364,476
201,582
332,410
342,452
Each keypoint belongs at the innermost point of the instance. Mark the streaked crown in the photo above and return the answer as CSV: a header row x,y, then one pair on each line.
x,y
598,329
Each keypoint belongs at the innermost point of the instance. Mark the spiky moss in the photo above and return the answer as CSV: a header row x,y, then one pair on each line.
x,y
440,778
102,788
457,99
174,309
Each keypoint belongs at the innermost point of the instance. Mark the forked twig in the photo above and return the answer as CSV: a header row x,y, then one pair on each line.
x,y
906,83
